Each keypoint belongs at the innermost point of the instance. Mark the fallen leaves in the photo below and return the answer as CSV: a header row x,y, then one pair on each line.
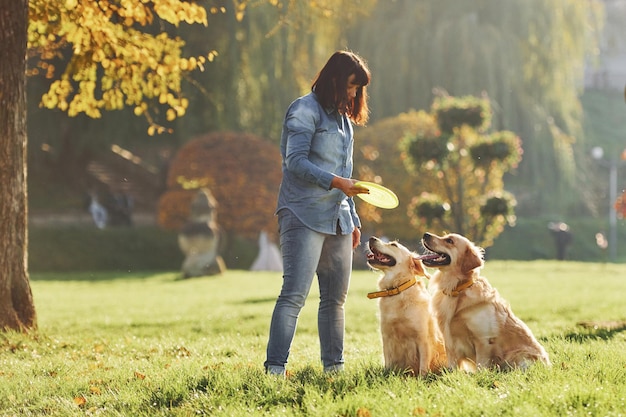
x,y
80,401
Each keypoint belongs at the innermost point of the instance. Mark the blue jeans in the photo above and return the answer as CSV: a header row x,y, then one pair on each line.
x,y
306,252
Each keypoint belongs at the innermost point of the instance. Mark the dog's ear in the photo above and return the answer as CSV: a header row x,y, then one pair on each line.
x,y
417,266
472,258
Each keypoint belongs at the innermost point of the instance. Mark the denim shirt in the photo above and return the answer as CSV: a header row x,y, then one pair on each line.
x,y
316,145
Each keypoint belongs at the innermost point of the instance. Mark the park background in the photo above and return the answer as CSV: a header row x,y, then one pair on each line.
x,y
118,337
554,73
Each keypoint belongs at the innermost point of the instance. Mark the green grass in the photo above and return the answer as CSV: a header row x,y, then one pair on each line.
x,y
132,344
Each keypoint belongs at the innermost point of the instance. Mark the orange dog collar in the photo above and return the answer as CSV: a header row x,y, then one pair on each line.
x,y
393,291
460,288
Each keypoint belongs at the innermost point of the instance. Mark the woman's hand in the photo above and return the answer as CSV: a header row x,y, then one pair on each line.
x,y
347,185
356,237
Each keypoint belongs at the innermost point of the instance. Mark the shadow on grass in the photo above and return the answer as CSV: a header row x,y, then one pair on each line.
x,y
596,330
259,300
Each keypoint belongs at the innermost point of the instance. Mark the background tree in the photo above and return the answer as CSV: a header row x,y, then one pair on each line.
x,y
91,58
17,310
269,54
462,165
528,56
113,65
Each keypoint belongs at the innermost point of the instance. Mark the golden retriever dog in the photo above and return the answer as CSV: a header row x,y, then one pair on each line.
x,y
478,325
411,339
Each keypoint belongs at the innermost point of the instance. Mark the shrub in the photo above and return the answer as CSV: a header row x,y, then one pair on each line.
x,y
453,112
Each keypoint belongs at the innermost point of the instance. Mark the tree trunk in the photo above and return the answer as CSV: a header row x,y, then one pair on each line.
x,y
17,311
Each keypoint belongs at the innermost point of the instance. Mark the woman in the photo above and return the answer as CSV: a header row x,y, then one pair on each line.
x,y
317,219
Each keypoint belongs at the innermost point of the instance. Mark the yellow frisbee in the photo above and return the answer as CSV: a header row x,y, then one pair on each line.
x,y
379,196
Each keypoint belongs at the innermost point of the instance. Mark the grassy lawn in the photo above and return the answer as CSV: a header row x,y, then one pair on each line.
x,y
146,344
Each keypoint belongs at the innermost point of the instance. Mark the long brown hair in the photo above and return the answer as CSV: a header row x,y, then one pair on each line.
x,y
331,84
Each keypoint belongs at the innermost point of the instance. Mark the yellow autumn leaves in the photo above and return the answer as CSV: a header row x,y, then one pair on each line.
x,y
114,64
135,11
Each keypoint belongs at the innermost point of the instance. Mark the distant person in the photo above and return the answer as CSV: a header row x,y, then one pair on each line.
x,y
603,244
123,203
317,218
562,238
98,212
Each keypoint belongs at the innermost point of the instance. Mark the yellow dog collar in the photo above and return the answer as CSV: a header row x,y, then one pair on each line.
x,y
460,288
393,291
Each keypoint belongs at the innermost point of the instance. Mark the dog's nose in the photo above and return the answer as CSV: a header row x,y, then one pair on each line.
x,y
426,236
373,239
